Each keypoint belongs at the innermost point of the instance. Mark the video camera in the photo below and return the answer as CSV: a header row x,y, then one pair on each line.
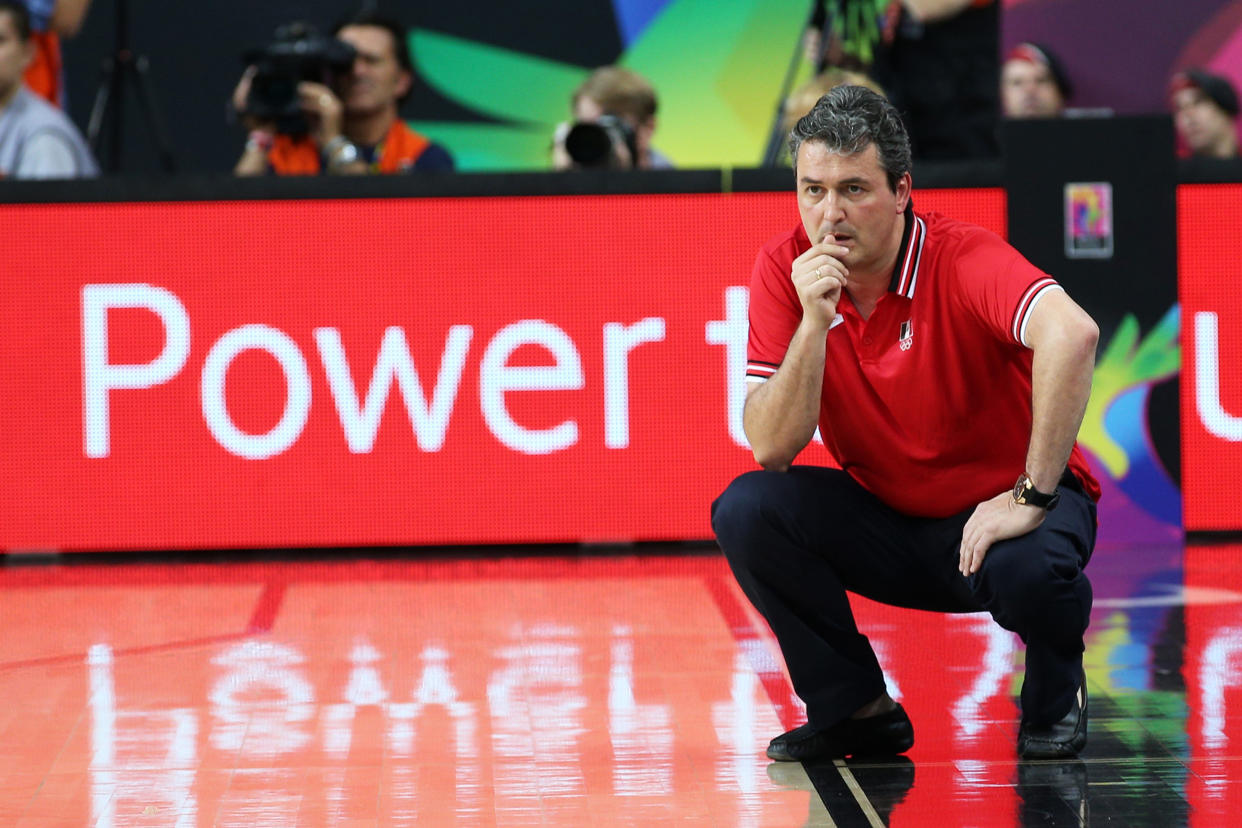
x,y
598,144
298,53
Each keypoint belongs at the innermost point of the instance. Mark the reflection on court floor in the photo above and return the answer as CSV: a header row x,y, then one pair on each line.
x,y
636,690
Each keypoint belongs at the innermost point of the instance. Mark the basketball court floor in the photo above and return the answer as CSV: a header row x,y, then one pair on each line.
x,y
630,688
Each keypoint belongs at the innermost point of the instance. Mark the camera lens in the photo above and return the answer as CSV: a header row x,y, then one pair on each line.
x,y
589,145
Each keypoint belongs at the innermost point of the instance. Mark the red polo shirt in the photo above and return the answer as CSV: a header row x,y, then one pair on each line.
x,y
927,404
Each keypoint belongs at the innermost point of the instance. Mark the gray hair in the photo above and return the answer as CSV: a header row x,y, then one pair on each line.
x,y
847,120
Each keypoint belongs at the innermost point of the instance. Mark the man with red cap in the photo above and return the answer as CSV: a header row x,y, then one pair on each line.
x,y
1033,83
1204,108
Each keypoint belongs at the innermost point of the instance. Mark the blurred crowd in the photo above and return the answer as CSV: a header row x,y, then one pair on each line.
x,y
330,104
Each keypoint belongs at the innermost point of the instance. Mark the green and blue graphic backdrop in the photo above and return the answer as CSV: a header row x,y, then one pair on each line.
x,y
716,67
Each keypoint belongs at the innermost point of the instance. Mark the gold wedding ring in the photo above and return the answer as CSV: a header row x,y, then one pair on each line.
x,y
819,272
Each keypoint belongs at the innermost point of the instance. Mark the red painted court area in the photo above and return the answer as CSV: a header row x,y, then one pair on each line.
x,y
637,690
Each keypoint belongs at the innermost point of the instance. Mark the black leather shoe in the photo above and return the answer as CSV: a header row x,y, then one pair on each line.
x,y
884,735
1062,739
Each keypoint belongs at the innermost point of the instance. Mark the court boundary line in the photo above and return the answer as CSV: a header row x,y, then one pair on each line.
x,y
778,688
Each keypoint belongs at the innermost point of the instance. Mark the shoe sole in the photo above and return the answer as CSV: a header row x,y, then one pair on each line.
x,y
895,750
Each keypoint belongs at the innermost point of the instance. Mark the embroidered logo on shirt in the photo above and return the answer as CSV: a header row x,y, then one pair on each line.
x,y
906,338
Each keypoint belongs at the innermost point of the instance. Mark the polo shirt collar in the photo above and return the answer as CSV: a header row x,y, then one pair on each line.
x,y
909,254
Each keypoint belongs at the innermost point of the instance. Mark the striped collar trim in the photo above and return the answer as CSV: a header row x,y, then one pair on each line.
x,y
910,254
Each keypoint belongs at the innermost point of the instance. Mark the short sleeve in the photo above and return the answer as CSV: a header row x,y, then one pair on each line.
x,y
774,313
997,285
47,155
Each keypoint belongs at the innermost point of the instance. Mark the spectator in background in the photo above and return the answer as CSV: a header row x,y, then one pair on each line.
x,y
37,140
937,59
50,20
625,104
1204,109
1033,83
803,99
356,128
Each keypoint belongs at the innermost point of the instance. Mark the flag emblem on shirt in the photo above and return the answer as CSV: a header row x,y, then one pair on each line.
x,y
906,338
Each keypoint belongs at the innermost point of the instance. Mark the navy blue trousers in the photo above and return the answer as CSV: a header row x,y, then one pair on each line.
x,y
798,540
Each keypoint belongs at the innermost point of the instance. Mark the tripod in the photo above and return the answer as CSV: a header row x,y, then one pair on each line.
x,y
776,134
107,112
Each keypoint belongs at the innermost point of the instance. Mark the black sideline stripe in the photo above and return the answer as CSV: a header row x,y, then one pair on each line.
x,y
884,784
837,797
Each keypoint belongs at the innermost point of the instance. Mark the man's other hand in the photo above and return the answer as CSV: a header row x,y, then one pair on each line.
x,y
994,520
325,108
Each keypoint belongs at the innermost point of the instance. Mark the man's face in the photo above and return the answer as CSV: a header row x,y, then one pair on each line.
x,y
14,55
1029,91
849,197
377,80
1201,123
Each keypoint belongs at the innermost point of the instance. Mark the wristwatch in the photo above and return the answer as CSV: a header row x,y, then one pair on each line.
x,y
341,152
1025,494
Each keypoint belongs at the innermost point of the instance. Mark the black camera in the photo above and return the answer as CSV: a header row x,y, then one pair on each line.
x,y
298,53
608,141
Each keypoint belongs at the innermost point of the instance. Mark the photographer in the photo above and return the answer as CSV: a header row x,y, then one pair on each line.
x,y
345,121
614,118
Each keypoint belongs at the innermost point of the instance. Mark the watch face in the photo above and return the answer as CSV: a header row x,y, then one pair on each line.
x,y
1024,489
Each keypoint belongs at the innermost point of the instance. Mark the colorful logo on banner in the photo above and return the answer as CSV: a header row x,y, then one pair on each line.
x,y
717,69
1089,220
1141,501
